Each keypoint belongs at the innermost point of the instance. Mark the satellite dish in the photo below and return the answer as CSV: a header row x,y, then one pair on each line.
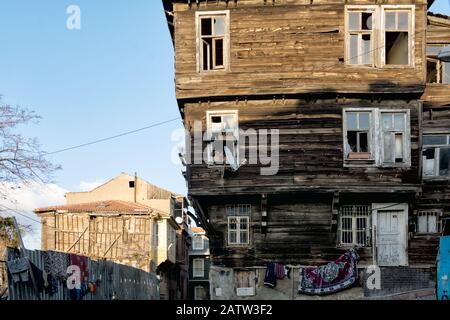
x,y
179,220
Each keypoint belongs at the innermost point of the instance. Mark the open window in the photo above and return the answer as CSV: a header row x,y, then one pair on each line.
x,y
395,133
379,35
436,155
213,40
360,36
397,31
358,133
223,138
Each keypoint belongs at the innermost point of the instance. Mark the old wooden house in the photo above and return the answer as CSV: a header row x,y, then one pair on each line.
x,y
126,220
356,103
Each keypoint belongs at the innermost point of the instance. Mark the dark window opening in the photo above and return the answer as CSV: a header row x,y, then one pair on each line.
x,y
366,21
216,119
358,141
131,184
432,74
397,48
444,161
207,27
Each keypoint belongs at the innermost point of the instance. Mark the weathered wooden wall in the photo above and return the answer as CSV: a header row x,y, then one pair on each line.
x,y
288,47
310,148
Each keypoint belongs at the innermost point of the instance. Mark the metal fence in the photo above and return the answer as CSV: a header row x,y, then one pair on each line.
x,y
124,282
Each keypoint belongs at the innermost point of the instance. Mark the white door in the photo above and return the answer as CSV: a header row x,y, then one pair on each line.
x,y
391,235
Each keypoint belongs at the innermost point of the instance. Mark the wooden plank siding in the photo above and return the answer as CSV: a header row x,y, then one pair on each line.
x,y
288,47
310,149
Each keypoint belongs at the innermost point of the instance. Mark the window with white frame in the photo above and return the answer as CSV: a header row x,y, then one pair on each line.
x,y
360,35
394,132
438,71
380,35
428,221
377,137
358,134
223,137
212,40
238,230
355,226
436,155
197,243
198,270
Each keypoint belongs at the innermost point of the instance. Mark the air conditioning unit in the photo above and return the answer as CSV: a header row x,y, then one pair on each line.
x,y
245,292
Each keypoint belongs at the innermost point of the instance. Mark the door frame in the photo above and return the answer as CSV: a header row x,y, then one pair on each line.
x,y
387,207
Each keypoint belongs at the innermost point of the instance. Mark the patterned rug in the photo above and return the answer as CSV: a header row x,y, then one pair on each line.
x,y
330,278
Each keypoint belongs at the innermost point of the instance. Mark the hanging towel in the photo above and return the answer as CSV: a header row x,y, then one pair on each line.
x,y
270,279
81,262
38,278
18,268
279,271
330,278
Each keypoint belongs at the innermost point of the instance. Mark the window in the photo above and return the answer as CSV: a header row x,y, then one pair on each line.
x,y
358,134
131,184
394,137
436,155
437,71
428,222
238,230
213,40
377,137
223,137
198,268
397,41
200,293
355,226
155,234
360,37
197,243
379,36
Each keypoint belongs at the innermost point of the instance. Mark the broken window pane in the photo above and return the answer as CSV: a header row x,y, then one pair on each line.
x,y
218,52
402,23
397,48
352,140
363,142
206,27
366,21
219,26
353,49
444,161
432,74
366,50
353,21
364,121
390,20
428,162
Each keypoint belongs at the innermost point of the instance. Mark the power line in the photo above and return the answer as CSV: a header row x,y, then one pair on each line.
x,y
111,137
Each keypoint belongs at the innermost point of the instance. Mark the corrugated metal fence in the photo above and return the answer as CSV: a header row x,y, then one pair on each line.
x,y
127,282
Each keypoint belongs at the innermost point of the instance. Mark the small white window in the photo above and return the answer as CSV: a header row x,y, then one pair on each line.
x,y
198,268
238,230
212,40
355,225
428,222
223,137
197,243
358,135
360,36
436,155
395,134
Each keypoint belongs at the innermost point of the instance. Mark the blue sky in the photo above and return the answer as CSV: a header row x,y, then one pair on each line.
x,y
114,75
